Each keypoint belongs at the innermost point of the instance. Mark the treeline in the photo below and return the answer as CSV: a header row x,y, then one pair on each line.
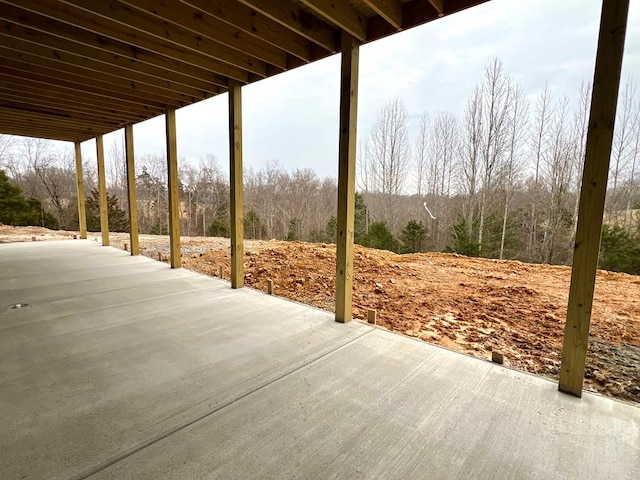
x,y
499,181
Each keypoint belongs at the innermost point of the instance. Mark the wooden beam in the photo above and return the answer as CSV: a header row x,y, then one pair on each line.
x,y
63,135
37,118
61,36
97,67
102,191
390,10
291,16
206,26
104,84
82,213
131,189
174,189
135,27
49,105
66,131
438,5
341,14
236,190
9,83
346,176
76,26
606,83
9,127
251,22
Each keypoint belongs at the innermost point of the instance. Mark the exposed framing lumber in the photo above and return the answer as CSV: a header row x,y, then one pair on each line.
x,y
72,133
71,19
341,14
63,135
414,12
117,88
193,88
43,119
291,16
54,107
123,21
131,189
438,5
173,187
346,176
205,26
246,19
64,37
82,212
606,83
63,93
236,189
390,10
102,191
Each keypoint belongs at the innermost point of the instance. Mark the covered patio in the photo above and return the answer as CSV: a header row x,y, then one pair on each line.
x,y
120,367
116,366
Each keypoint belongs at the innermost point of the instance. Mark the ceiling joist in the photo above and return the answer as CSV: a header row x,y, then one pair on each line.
x,y
74,69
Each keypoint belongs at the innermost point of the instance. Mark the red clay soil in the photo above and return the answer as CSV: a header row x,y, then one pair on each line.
x,y
471,305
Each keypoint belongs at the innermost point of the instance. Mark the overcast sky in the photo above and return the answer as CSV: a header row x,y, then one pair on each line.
x,y
293,117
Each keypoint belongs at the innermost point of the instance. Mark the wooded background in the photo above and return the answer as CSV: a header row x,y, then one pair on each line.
x,y
499,181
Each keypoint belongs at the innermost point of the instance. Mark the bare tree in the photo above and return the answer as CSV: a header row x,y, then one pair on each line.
x,y
390,157
539,140
496,92
421,154
623,146
518,120
558,172
470,157
579,141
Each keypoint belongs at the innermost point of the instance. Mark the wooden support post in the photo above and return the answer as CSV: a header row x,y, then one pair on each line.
x,y
606,83
346,176
236,190
131,190
270,287
82,212
372,316
102,189
221,272
174,191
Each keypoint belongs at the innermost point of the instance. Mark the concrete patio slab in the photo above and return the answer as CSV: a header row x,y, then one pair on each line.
x,y
120,367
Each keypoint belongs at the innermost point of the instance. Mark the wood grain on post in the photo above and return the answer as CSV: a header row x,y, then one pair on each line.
x,y
236,190
82,212
131,190
173,186
346,176
606,83
102,191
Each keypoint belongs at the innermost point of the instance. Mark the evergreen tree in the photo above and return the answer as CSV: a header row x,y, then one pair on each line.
x,y
253,226
379,236
331,230
218,228
293,232
620,250
463,240
14,208
413,237
118,220
360,219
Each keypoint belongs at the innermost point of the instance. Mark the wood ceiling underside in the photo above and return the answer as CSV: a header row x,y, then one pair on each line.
x,y
73,69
